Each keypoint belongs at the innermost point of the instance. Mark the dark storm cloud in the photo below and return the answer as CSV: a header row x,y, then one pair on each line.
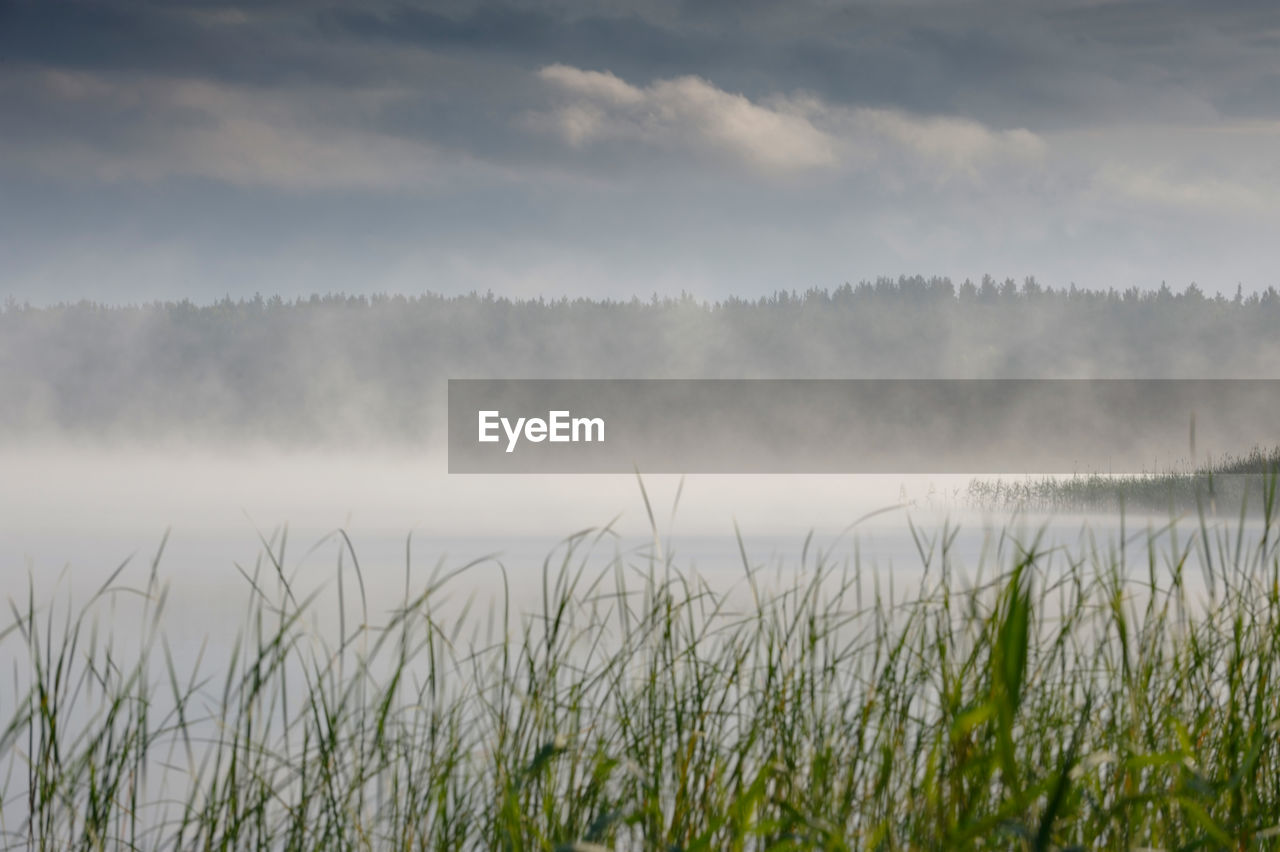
x,y
268,43
626,43
1050,64
1003,63
851,56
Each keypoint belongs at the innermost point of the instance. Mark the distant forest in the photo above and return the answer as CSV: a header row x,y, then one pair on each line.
x,y
341,368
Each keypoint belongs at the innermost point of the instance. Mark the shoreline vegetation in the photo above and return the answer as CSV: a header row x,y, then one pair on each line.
x,y
1104,695
1218,486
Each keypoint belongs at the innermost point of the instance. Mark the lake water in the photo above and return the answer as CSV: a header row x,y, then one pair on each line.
x,y
70,516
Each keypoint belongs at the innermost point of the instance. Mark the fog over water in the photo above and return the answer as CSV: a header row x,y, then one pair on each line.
x,y
80,512
227,424
73,501
74,509
221,421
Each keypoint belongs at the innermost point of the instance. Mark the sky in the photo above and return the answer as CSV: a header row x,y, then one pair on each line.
x,y
183,149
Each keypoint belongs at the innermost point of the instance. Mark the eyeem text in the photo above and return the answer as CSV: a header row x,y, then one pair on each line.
x,y
558,427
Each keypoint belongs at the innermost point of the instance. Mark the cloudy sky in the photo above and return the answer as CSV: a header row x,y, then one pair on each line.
x,y
196,149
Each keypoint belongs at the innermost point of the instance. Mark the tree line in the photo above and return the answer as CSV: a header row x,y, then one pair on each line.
x,y
342,367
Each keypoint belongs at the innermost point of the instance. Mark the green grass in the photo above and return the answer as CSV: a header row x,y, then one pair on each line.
x,y
1056,698
1218,486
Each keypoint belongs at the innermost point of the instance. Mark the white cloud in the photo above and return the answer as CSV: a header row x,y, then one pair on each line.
x,y
238,135
956,146
312,137
1213,171
1158,188
600,85
686,113
779,134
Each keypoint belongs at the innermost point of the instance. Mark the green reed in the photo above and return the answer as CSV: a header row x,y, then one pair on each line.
x,y
1102,696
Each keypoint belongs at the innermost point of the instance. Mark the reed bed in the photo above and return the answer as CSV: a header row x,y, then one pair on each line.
x,y
1109,695
1219,486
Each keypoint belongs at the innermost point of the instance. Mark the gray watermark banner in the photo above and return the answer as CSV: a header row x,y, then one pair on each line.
x,y
1005,426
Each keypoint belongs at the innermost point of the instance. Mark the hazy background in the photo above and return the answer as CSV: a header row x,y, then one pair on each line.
x,y
371,373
